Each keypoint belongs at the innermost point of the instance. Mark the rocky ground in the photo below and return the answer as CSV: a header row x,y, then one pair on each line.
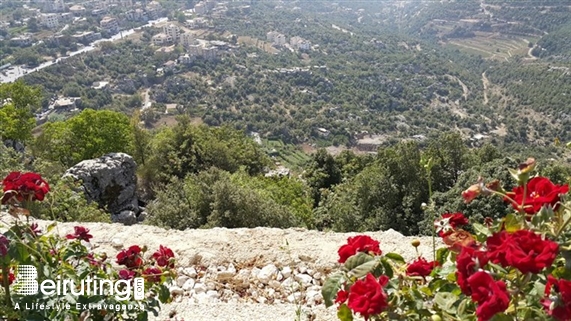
x,y
244,274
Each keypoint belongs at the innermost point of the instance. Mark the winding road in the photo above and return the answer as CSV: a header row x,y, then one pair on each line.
x,y
15,72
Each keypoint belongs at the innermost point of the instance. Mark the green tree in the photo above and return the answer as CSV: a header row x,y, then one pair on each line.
x,y
88,135
140,140
322,173
185,149
19,102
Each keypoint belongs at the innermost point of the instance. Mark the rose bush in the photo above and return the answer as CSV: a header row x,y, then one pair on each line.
x,y
514,268
71,258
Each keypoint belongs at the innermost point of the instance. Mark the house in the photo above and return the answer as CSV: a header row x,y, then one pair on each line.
x,y
185,59
77,10
49,20
196,23
172,32
21,41
100,85
153,10
271,35
169,65
136,15
67,103
195,49
53,5
276,38
323,132
109,24
300,43
159,39
98,12
186,39
66,17
87,37
209,53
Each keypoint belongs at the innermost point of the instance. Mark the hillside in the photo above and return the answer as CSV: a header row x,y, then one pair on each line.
x,y
370,75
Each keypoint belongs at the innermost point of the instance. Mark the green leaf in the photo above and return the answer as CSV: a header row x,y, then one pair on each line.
x,y
442,255
363,269
357,260
331,287
513,223
514,174
344,313
164,293
50,227
497,267
462,307
387,267
445,301
481,229
395,257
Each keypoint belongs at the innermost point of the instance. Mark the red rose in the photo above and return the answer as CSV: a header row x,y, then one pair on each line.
x,y
131,257
524,250
467,263
491,295
126,274
367,296
341,297
540,191
449,222
360,243
153,274
26,186
81,233
163,257
420,267
561,308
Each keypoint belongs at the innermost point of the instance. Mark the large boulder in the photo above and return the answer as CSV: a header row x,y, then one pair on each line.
x,y
111,181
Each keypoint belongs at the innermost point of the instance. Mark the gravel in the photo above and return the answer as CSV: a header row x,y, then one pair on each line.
x,y
243,274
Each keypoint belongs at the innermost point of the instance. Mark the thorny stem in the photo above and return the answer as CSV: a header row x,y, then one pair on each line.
x,y
6,284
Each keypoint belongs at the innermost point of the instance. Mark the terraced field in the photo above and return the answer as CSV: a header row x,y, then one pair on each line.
x,y
494,46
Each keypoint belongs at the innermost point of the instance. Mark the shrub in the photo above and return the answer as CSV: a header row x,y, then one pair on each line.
x,y
210,199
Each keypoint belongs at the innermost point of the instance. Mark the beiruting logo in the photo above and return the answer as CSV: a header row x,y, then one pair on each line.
x,y
26,283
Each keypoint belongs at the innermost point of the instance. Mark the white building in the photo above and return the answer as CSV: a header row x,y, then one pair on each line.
x,y
280,40
299,43
109,24
50,20
172,31
209,53
77,10
186,39
160,39
185,59
276,38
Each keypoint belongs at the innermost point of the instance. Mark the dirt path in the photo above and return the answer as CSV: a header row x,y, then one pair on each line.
x,y
486,83
465,89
